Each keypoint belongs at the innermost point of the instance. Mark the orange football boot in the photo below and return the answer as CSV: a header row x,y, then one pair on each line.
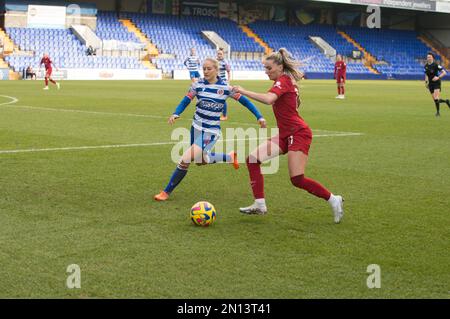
x,y
234,159
161,196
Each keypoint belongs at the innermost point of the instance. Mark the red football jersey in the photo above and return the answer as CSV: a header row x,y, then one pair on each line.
x,y
285,107
340,69
47,63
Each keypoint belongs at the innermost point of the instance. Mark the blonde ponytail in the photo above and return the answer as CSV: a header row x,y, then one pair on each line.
x,y
290,65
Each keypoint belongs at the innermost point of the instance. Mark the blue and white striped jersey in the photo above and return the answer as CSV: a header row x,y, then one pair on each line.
x,y
192,62
210,102
223,68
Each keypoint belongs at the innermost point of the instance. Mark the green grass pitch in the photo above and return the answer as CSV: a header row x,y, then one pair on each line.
x,y
70,204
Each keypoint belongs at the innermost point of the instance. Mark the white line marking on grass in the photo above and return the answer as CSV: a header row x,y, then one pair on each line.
x,y
137,115
14,100
74,148
96,147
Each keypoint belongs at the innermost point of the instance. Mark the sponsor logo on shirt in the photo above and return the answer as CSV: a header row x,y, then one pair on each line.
x,y
213,106
277,85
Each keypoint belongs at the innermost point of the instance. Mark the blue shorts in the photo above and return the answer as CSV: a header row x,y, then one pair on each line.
x,y
203,139
194,74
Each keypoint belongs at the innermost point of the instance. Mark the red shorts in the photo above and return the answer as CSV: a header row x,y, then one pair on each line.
x,y
340,79
48,72
297,141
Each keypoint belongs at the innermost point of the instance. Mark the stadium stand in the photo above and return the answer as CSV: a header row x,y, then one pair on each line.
x,y
296,39
63,47
176,35
401,51
396,53
109,28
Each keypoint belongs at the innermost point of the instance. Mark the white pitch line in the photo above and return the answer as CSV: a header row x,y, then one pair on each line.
x,y
14,100
80,148
136,115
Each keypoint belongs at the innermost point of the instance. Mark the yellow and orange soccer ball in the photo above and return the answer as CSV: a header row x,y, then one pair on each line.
x,y
203,214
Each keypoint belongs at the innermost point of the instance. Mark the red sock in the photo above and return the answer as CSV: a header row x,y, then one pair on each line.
x,y
256,178
311,186
342,90
46,81
339,90
51,80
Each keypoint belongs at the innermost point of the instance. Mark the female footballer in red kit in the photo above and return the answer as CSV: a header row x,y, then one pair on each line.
x,y
294,138
340,74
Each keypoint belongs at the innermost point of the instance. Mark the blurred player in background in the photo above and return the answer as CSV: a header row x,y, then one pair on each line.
x,y
211,93
47,62
340,73
225,76
294,138
192,63
433,75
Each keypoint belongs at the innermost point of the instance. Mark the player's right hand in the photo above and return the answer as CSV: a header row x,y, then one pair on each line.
x,y
172,119
236,89
262,123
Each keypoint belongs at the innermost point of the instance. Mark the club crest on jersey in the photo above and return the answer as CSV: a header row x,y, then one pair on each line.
x,y
220,91
277,84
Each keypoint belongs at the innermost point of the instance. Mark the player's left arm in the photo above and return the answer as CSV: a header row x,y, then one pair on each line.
x,y
228,69
441,73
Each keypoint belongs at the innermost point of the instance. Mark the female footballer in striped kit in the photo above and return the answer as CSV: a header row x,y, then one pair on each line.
x,y
225,75
211,93
192,63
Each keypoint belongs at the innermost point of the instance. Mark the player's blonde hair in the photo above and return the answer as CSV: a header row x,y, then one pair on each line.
x,y
214,62
290,65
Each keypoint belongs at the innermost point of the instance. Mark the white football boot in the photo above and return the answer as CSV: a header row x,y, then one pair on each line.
x,y
255,209
337,205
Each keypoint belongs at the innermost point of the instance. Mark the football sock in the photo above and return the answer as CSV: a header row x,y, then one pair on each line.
x,y
177,176
436,102
444,101
224,112
256,177
339,90
342,90
261,202
311,186
52,81
46,81
218,158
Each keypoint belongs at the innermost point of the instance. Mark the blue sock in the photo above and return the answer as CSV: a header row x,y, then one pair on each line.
x,y
176,178
218,158
224,112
